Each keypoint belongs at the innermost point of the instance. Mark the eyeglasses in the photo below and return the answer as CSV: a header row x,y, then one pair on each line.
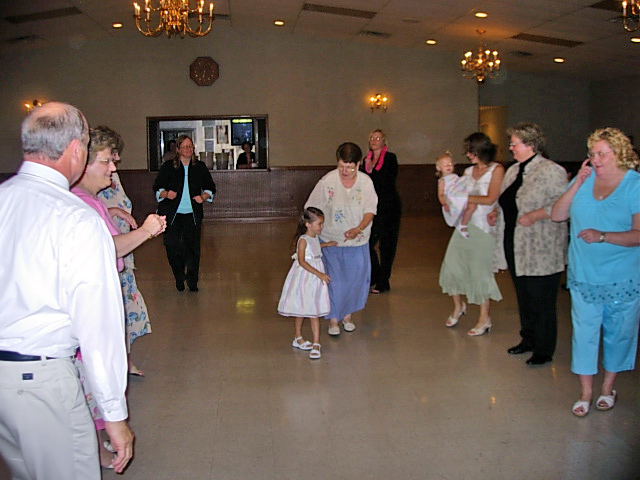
x,y
593,155
189,147
347,168
513,144
107,162
375,139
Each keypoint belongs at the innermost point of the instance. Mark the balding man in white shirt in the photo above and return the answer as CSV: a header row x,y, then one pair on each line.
x,y
60,291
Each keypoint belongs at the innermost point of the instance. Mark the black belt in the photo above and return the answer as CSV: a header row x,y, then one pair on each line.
x,y
7,356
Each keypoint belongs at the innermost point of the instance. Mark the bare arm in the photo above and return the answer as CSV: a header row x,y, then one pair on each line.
x,y
364,223
441,198
328,244
126,216
532,217
154,225
302,245
560,209
494,189
630,238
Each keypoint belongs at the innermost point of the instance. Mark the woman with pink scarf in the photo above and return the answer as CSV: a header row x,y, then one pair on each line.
x,y
382,166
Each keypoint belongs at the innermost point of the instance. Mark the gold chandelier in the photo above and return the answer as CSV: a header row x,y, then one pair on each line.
x,y
485,63
173,18
630,19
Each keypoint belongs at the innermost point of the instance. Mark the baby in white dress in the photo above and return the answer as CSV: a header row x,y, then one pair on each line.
x,y
453,193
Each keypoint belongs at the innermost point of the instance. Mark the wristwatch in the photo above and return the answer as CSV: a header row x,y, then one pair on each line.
x,y
602,237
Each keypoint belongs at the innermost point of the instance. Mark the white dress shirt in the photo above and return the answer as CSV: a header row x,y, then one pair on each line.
x,y
60,288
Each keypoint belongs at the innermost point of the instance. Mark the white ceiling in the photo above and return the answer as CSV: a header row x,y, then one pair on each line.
x,y
606,50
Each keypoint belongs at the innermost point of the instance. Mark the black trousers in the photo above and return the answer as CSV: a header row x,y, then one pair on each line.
x,y
384,234
537,298
182,243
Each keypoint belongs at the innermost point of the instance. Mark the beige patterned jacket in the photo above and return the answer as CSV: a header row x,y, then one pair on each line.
x,y
540,249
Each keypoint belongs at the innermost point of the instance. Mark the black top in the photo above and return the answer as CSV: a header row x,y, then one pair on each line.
x,y
242,159
384,182
171,178
508,202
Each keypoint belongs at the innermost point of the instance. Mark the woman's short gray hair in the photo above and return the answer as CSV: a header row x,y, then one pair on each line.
x,y
530,134
101,139
48,132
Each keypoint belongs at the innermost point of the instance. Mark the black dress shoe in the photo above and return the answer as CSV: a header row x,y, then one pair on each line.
x,y
193,288
180,286
538,359
518,349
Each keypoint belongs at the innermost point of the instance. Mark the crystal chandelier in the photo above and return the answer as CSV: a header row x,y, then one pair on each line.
x,y
483,65
630,18
172,18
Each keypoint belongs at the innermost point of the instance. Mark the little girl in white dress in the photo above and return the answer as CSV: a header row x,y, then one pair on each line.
x,y
305,293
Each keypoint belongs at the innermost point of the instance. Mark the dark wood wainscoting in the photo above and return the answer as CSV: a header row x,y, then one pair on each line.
x,y
278,192
281,191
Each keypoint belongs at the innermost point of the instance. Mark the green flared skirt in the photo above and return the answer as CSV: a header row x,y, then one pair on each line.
x,y
467,268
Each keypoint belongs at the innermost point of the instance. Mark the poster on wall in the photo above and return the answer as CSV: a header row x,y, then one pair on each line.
x,y
222,134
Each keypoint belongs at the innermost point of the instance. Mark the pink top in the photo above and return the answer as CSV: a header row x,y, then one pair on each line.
x,y
368,162
102,210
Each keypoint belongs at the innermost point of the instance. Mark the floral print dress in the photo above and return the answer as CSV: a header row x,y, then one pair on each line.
x,y
135,309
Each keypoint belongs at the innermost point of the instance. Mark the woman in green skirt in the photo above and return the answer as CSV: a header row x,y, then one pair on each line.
x,y
467,268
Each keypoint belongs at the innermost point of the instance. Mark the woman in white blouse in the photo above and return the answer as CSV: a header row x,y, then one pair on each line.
x,y
467,268
349,202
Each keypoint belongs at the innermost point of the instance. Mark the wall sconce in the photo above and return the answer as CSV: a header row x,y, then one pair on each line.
x,y
378,101
32,105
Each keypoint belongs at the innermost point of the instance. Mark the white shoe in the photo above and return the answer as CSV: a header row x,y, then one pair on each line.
x,y
335,330
348,326
305,345
315,352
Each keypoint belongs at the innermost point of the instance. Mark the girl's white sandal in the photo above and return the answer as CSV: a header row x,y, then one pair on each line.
x,y
315,352
306,345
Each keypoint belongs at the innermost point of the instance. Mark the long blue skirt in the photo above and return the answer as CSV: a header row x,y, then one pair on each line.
x,y
350,272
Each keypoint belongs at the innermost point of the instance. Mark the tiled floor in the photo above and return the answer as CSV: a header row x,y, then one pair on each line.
x,y
402,397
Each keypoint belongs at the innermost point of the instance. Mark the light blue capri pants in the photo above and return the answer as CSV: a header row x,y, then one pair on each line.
x,y
619,324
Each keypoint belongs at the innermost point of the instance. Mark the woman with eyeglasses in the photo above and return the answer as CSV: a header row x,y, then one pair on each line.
x,y
533,246
181,187
603,204
382,166
349,202
120,207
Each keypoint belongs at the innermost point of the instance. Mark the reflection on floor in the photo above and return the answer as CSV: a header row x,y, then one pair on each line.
x,y
402,397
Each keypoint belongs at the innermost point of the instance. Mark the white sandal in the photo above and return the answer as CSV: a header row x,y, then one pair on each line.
x,y
608,400
315,352
305,345
580,404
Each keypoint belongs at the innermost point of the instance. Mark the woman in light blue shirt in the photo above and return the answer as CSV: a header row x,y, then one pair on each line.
x,y
603,203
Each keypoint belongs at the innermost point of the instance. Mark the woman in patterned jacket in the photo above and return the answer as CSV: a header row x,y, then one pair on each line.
x,y
534,246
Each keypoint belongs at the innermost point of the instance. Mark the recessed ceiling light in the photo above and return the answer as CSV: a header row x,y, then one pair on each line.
x,y
430,41
116,25
278,23
481,14
558,60
635,39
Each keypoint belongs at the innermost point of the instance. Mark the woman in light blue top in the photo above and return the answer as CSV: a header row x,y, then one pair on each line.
x,y
603,203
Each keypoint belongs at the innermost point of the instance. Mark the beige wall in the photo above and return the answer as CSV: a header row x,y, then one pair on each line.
x,y
616,103
314,91
559,104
